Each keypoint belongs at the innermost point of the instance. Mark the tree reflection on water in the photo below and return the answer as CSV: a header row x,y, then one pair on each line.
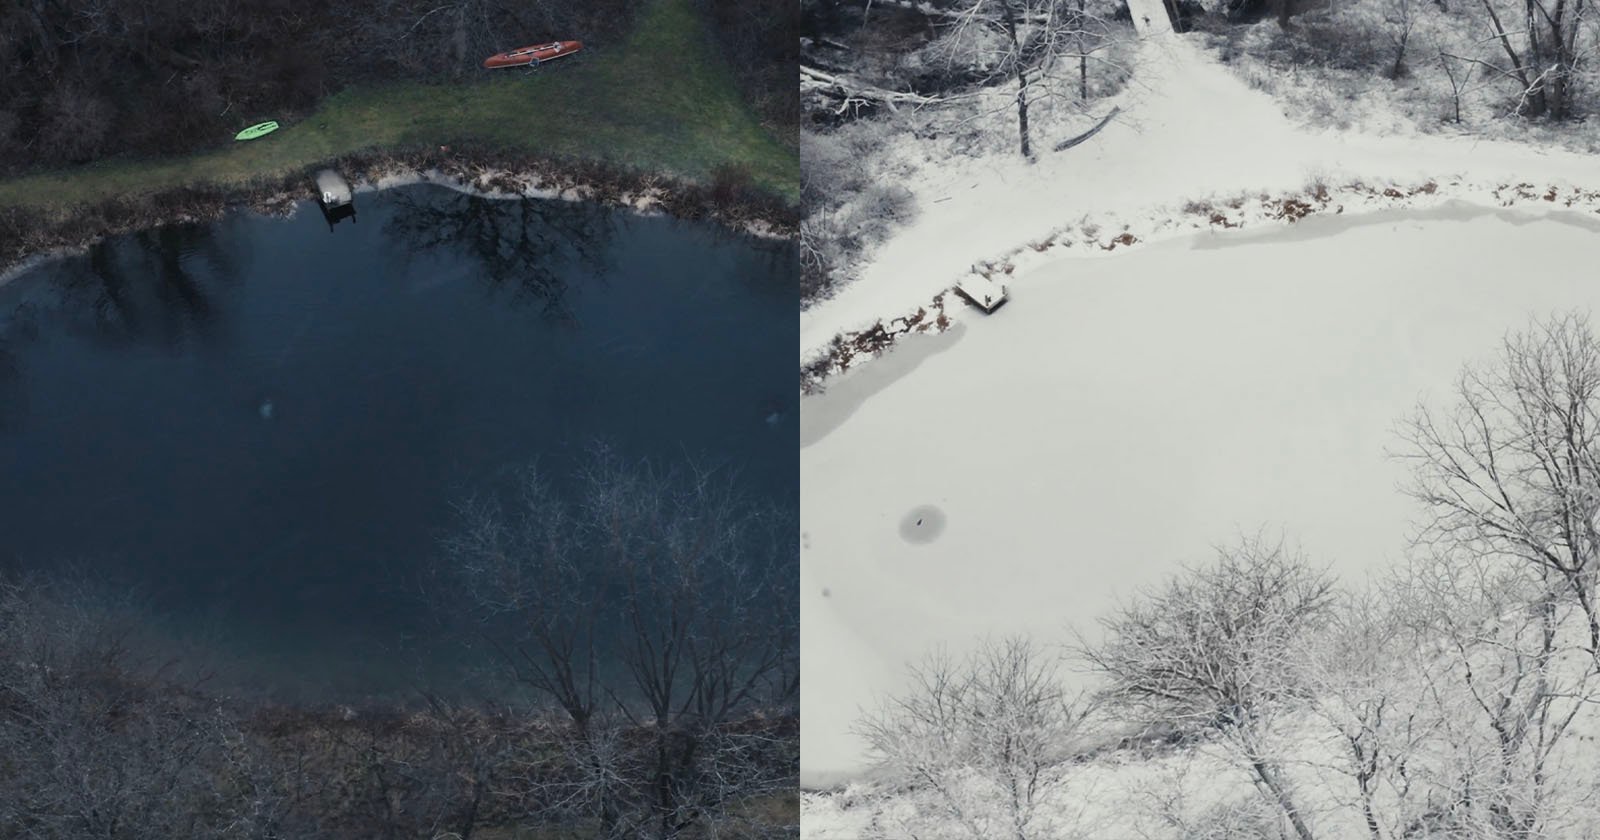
x,y
137,290
131,291
525,246
11,390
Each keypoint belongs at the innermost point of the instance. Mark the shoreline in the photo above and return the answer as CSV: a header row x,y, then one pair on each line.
x,y
729,200
1105,236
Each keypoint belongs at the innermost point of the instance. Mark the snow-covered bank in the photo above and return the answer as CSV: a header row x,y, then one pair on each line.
x,y
1101,236
1190,130
1123,415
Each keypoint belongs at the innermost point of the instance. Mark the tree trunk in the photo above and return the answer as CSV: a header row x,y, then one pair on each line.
x,y
1022,77
1586,602
1399,70
1022,112
1083,57
1365,782
1517,70
1269,779
1540,100
469,820
1558,88
1372,820
458,40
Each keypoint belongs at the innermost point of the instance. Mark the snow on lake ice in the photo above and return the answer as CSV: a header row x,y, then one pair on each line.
x,y
1124,415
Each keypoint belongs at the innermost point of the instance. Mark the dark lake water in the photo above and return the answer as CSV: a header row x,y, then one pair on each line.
x,y
261,424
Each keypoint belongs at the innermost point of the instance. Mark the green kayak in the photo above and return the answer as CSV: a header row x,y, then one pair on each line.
x,y
258,130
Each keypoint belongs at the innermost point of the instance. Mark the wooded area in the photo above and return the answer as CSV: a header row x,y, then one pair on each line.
x,y
86,79
642,644
1453,695
970,75
759,39
1435,61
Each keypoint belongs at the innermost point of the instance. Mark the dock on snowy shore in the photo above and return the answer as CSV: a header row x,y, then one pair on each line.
x,y
335,198
982,292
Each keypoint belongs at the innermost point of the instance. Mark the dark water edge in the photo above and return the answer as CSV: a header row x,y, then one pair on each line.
x,y
729,199
259,426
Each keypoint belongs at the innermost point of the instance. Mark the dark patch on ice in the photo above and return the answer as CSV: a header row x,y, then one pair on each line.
x,y
922,525
821,413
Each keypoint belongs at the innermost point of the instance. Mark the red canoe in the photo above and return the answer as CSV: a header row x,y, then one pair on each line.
x,y
532,55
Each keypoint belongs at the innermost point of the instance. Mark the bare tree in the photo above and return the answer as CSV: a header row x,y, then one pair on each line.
x,y
518,571
1459,76
660,601
1400,20
1024,42
1508,677
1508,478
1362,675
77,123
1215,650
997,726
92,743
471,751
1179,799
1543,51
1511,470
706,615
100,739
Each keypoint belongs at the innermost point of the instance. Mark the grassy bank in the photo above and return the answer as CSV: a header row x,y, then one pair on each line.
x,y
664,102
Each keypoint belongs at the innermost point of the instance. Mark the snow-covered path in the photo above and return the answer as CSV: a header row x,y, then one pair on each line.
x,y
1128,411
1189,129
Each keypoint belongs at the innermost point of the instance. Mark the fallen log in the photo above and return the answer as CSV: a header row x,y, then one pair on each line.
x,y
851,91
1073,141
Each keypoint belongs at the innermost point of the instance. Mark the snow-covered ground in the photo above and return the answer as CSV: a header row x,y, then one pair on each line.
x,y
1124,413
1189,129
1192,788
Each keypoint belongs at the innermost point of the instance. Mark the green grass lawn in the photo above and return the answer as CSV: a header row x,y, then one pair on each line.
x,y
664,101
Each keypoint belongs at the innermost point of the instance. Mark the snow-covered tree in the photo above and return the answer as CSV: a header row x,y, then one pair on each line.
x,y
1540,40
1029,44
1362,674
1511,469
1215,651
987,735
1507,682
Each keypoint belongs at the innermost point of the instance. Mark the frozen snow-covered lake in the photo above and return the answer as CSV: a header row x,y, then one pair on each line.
x,y
1123,415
